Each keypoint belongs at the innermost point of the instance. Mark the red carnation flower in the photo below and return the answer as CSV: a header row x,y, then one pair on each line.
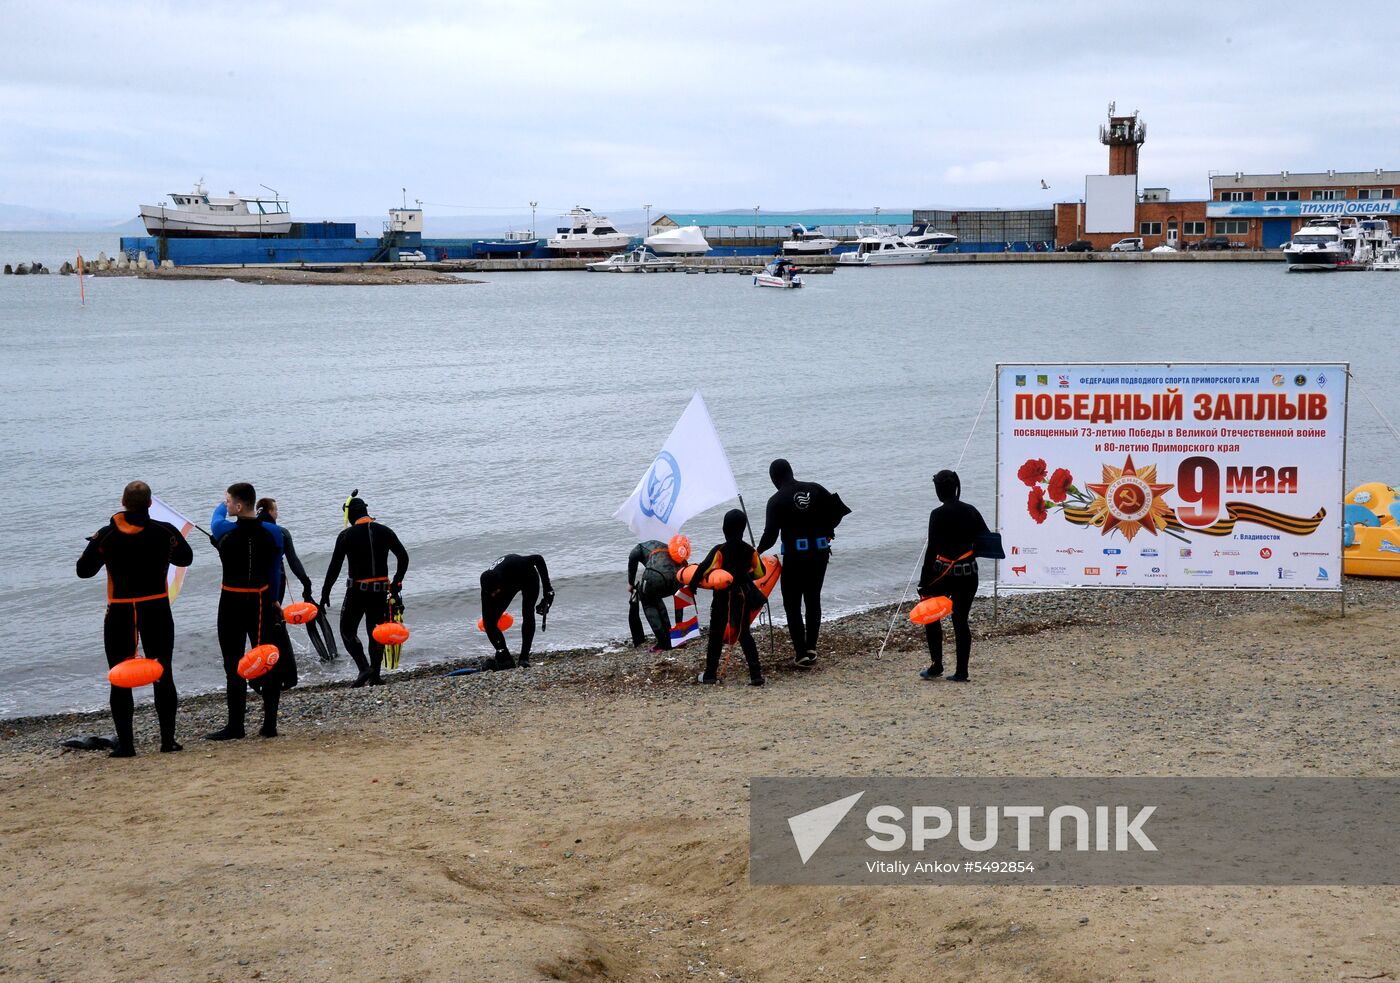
x,y
1032,472
1036,505
1060,484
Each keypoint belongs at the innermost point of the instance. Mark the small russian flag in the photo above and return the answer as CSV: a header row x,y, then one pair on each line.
x,y
685,627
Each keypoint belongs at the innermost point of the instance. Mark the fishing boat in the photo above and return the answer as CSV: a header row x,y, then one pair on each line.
x,y
808,242
639,260
587,233
513,246
687,240
778,273
198,213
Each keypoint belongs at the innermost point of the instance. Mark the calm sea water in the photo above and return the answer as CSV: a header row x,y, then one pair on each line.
x,y
517,414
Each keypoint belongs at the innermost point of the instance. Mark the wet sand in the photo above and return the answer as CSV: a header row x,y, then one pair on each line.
x,y
587,819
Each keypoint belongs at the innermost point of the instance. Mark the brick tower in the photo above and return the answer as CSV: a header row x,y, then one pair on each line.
x,y
1123,136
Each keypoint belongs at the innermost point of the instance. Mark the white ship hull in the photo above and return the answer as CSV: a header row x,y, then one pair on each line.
x,y
887,257
173,223
569,242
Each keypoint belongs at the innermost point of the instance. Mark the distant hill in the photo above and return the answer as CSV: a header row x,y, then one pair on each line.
x,y
20,218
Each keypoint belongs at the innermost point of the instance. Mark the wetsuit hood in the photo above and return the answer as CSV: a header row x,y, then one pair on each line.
x,y
734,523
947,486
356,509
780,471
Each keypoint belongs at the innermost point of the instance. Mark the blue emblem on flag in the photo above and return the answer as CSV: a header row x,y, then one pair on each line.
x,y
661,488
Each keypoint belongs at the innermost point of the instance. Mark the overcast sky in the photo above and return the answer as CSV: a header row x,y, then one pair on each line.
x,y
695,105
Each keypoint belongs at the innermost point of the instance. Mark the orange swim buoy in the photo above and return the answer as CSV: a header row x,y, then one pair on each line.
x,y
390,633
258,661
300,613
679,548
931,609
715,580
134,672
504,622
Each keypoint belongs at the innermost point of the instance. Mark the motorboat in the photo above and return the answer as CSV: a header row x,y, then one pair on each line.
x,y
587,233
686,240
639,260
1388,258
778,273
1318,246
805,242
885,249
198,213
923,234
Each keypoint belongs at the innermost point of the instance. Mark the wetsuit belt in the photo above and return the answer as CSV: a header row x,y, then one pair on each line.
x,y
243,590
951,566
370,580
137,600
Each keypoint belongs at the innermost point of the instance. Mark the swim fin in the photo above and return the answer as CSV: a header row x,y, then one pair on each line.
x,y
313,631
327,635
393,652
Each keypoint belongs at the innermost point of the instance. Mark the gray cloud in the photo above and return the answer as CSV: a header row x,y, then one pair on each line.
x,y
105,105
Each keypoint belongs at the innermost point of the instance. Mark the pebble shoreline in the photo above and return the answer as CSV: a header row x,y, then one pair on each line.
x,y
425,696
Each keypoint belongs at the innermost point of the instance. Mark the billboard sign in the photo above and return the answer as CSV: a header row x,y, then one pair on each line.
x,y
1162,475
1302,209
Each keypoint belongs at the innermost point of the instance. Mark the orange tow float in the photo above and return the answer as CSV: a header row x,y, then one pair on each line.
x,y
390,633
134,672
504,622
300,613
258,661
714,580
931,609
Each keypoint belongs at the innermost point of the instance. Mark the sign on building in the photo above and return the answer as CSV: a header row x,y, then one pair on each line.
x,y
1162,475
1110,203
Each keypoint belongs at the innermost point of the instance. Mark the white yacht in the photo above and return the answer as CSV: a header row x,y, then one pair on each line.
x,y
639,260
686,240
1318,245
198,213
587,233
805,242
923,234
885,249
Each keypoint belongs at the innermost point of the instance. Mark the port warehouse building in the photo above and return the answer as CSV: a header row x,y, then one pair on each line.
x,y
978,230
1258,211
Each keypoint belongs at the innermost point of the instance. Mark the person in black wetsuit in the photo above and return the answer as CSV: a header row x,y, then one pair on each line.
x,y
248,611
267,512
514,574
366,545
732,605
137,552
950,570
805,515
649,592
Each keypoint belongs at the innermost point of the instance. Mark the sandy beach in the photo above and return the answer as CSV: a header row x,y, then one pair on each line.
x,y
587,819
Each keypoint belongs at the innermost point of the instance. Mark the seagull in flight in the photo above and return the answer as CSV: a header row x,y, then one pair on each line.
x,y
1043,185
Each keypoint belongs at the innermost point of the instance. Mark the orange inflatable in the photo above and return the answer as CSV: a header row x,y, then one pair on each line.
x,y
258,661
679,548
390,633
931,609
716,580
300,613
504,622
134,672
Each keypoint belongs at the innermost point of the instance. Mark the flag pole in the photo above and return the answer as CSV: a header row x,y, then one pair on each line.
x,y
767,605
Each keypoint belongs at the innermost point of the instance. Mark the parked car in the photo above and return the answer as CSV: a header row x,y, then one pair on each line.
x,y
1132,244
1078,246
1209,243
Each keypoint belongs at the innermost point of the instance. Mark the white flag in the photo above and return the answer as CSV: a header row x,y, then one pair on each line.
x,y
161,512
690,475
